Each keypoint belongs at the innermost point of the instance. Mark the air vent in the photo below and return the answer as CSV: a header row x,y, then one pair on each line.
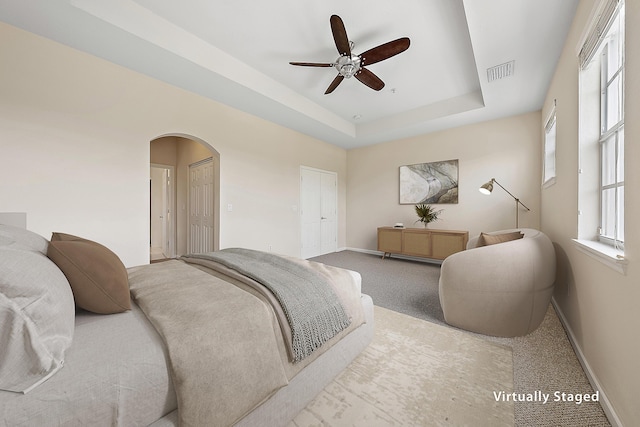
x,y
500,71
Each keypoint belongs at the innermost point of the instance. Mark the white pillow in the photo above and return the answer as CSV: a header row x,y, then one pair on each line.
x,y
37,315
19,238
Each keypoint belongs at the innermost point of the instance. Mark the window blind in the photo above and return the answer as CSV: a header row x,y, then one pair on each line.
x,y
598,31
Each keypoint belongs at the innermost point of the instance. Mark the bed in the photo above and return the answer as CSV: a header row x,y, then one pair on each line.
x,y
195,341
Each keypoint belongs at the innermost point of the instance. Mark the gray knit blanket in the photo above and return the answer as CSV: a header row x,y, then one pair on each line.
x,y
312,308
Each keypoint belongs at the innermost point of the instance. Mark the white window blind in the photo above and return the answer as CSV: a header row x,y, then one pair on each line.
x,y
549,171
597,33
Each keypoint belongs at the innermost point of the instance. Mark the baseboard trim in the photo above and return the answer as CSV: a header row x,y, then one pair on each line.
x,y
364,251
398,256
611,414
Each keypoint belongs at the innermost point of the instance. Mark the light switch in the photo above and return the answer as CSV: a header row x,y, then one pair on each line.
x,y
230,207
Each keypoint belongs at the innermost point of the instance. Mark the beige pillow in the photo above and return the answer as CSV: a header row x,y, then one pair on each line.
x,y
97,277
493,239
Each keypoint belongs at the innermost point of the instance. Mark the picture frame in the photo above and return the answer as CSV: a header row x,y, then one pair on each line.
x,y
432,183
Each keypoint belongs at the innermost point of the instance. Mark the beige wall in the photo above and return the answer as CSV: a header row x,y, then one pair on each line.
x,y
599,304
164,151
74,143
506,149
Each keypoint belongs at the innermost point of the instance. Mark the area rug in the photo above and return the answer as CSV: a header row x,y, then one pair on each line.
x,y
417,373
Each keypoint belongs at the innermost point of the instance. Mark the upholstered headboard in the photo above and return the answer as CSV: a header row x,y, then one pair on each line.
x,y
15,219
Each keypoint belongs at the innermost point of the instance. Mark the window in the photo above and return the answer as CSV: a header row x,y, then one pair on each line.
x,y
601,184
612,135
549,172
601,198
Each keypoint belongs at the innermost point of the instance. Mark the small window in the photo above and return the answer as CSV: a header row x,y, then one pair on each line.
x,y
549,168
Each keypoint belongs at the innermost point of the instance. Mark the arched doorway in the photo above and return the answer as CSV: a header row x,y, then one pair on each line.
x,y
181,151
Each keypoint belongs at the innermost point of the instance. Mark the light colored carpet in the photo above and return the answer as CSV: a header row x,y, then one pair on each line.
x,y
543,361
417,373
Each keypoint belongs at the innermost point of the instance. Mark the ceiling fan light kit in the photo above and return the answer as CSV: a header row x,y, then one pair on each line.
x,y
349,65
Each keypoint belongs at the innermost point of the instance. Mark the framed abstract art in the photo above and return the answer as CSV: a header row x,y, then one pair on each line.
x,y
434,182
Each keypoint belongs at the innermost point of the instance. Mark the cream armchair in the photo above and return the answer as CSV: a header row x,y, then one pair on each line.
x,y
502,289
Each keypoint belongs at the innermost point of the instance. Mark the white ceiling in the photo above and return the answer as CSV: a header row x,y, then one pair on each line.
x,y
238,52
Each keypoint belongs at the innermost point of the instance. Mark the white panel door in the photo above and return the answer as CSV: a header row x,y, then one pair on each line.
x,y
168,241
157,208
162,208
201,214
318,212
329,214
310,212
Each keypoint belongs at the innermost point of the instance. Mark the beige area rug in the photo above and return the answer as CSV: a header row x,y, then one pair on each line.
x,y
417,373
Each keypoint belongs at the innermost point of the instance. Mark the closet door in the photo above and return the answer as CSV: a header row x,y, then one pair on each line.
x,y
318,212
201,215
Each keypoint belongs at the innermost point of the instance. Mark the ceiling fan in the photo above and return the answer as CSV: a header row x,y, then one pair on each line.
x,y
349,65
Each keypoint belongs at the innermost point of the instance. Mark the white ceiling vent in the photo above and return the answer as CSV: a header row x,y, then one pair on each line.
x,y
500,71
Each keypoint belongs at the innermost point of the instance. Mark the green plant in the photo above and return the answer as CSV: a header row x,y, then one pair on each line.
x,y
427,213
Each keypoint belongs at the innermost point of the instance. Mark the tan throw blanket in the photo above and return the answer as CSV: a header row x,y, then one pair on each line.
x,y
220,341
312,309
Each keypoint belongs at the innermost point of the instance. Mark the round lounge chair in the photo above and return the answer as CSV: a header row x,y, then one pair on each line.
x,y
502,288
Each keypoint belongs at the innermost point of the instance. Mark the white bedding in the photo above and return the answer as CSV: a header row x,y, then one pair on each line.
x,y
115,373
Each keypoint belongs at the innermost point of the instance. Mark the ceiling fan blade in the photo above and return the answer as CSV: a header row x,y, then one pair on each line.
x,y
340,35
334,84
369,79
311,64
384,51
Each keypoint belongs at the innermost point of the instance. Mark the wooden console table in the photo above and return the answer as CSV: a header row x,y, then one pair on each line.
x,y
421,242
